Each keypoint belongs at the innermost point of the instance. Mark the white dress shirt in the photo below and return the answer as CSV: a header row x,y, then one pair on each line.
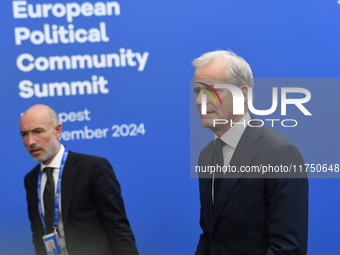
x,y
232,137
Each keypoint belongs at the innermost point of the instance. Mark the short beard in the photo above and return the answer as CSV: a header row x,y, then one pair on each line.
x,y
49,154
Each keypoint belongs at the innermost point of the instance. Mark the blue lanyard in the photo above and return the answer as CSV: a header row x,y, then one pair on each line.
x,y
57,196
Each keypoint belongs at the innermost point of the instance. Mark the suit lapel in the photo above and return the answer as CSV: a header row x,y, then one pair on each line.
x,y
245,152
67,184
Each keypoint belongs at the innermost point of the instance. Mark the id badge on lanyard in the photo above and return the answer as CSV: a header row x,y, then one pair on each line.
x,y
52,244
51,240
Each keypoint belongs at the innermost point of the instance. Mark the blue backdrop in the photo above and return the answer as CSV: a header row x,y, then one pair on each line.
x,y
118,73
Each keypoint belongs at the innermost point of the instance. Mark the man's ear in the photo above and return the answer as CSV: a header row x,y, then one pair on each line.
x,y
244,89
58,130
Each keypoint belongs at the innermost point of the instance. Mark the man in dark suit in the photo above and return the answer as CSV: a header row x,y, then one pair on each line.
x,y
245,213
91,218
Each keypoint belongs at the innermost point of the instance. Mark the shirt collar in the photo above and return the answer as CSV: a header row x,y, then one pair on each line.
x,y
56,162
233,135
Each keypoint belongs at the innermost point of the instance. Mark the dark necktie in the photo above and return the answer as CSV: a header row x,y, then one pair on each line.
x,y
49,194
220,162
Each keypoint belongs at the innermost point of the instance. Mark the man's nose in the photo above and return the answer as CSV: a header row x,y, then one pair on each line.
x,y
199,98
30,139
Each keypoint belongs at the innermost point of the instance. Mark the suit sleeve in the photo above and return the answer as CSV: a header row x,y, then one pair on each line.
x,y
287,200
203,247
108,199
203,244
36,237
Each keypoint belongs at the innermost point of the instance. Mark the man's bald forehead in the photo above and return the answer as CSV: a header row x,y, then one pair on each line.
x,y
42,110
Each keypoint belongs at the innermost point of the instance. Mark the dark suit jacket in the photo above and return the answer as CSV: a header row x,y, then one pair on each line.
x,y
93,211
255,216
